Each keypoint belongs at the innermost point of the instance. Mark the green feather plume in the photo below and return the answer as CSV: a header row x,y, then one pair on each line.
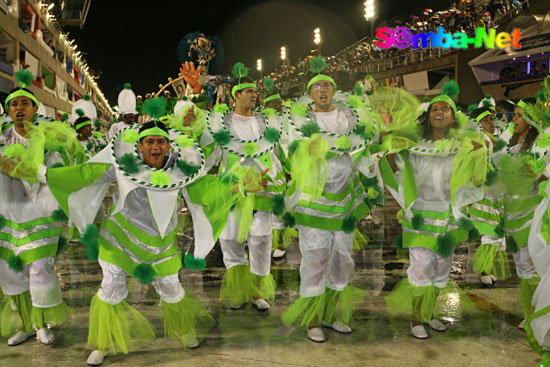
x,y
24,77
398,241
355,101
451,89
187,168
221,108
145,273
417,221
268,82
222,137
472,108
2,221
80,112
15,263
155,107
298,109
160,178
349,224
269,112
278,204
445,244
86,97
357,90
239,70
272,135
317,64
14,150
89,239
59,215
465,224
343,143
127,86
184,141
250,148
309,129
288,220
190,262
61,245
128,163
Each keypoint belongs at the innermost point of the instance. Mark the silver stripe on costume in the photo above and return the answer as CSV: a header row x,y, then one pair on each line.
x,y
486,209
451,227
25,233
151,249
112,240
323,214
18,250
475,218
435,222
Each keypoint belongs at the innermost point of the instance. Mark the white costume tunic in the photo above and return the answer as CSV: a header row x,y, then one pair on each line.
x,y
115,128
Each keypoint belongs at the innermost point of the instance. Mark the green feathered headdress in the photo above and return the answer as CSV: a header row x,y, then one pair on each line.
x,y
316,65
239,71
449,91
25,78
155,107
268,83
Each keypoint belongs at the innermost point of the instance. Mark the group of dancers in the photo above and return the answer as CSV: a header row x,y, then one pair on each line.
x,y
312,167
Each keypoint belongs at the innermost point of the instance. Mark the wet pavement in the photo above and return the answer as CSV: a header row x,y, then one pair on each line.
x,y
482,320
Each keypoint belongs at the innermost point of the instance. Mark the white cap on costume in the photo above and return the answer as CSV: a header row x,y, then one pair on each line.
x,y
85,105
127,100
424,105
487,98
180,104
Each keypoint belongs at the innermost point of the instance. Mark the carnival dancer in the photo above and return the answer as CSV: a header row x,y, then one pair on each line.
x,y
30,222
249,143
434,180
126,109
151,166
329,134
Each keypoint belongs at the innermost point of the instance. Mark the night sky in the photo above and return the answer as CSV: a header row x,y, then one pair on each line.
x,y
138,43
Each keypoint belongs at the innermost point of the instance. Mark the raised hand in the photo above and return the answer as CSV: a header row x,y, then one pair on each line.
x,y
191,75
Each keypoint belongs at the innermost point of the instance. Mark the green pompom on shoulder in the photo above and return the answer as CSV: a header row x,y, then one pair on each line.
x,y
398,241
239,70
272,135
250,148
86,97
24,77
160,178
343,143
278,204
349,224
355,101
357,90
128,163
3,221
130,136
89,239
288,220
451,89
269,112
59,215
222,137
15,263
473,235
14,150
221,108
369,181
499,145
317,64
465,224
511,244
145,273
499,229
491,178
190,262
445,244
89,146
187,168
184,141
61,245
309,129
127,86
80,112
298,109
417,221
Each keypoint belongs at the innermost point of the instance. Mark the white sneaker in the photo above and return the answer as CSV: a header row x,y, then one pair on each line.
x,y
19,337
419,332
96,358
277,254
316,334
338,326
493,278
261,304
45,336
486,279
521,325
437,325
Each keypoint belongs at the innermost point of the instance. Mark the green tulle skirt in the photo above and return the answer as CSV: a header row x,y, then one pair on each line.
x,y
488,260
329,307
408,300
282,238
20,319
239,286
114,328
42,317
186,320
